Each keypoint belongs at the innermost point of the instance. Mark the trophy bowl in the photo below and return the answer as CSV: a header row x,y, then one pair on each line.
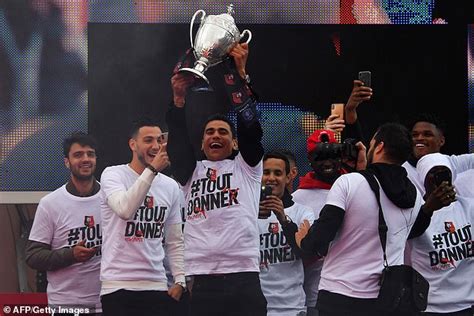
x,y
216,36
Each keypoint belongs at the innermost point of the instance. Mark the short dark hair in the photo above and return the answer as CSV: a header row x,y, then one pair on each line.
x,y
288,153
139,123
429,118
398,143
278,155
221,117
80,138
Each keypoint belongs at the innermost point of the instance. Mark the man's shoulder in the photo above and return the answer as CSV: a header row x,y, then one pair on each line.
x,y
54,195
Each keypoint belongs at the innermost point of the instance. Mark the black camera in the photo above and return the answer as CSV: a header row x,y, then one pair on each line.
x,y
325,150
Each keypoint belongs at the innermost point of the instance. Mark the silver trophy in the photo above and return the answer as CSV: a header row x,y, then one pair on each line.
x,y
216,36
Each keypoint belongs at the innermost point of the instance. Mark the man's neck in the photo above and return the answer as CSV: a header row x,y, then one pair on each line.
x,y
137,166
82,188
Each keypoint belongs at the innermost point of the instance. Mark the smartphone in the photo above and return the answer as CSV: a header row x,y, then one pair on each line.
x,y
266,191
442,175
338,108
365,77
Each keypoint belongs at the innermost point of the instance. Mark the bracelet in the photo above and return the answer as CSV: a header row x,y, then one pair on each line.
x,y
152,169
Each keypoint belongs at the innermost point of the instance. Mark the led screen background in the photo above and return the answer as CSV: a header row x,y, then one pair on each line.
x,y
45,83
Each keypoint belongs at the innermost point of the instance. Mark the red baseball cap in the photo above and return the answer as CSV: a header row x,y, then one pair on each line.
x,y
318,136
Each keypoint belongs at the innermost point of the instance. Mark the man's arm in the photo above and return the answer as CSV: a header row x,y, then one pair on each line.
x,y
126,202
180,149
322,232
39,255
250,135
442,196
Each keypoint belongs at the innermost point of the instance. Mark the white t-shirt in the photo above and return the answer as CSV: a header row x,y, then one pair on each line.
x,y
132,249
444,255
221,231
281,273
314,199
354,261
62,220
459,164
464,184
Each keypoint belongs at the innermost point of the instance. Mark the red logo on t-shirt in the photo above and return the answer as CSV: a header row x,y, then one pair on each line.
x,y
273,228
449,227
89,221
211,174
148,201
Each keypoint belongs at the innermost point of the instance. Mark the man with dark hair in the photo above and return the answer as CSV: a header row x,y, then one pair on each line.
x,y
353,260
222,195
66,235
141,208
281,267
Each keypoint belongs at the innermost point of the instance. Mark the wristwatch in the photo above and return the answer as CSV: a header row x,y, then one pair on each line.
x,y
287,221
152,169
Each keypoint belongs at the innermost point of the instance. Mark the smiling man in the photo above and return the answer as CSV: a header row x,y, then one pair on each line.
x,y
428,137
141,208
281,266
66,235
222,195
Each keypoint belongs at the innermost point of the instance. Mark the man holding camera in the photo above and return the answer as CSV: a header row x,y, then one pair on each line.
x,y
347,234
281,267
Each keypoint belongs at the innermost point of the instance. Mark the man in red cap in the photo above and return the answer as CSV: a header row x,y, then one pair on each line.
x,y
312,191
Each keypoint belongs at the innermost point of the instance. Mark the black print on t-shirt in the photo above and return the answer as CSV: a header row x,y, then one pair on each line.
x,y
90,232
275,249
207,194
453,245
147,222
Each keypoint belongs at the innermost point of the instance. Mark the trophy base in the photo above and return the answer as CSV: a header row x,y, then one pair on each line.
x,y
202,84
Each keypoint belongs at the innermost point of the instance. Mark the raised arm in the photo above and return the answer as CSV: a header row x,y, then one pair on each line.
x,y
180,150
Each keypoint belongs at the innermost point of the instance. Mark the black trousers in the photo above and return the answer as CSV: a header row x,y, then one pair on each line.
x,y
143,303
227,294
333,304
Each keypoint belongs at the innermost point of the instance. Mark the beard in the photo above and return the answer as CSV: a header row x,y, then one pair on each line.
x,y
83,177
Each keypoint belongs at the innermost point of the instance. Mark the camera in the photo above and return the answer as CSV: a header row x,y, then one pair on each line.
x,y
326,150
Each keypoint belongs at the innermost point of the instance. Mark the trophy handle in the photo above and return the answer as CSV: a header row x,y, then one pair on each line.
x,y
192,25
248,33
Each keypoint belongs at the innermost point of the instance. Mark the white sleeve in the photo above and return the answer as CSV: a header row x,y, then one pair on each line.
x,y
126,202
174,248
43,227
338,193
462,163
